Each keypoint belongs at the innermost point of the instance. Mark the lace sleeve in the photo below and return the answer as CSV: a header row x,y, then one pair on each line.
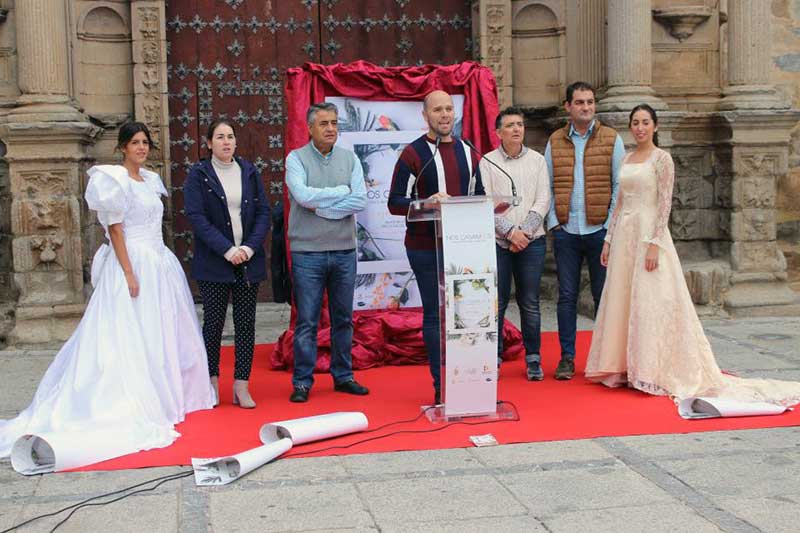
x,y
614,219
665,180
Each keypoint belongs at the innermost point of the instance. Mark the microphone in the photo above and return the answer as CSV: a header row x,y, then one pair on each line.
x,y
483,157
428,162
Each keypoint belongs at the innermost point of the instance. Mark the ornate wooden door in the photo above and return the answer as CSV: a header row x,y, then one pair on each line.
x,y
228,58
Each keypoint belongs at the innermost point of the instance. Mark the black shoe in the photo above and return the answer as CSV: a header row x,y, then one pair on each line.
x,y
437,397
565,369
299,395
351,387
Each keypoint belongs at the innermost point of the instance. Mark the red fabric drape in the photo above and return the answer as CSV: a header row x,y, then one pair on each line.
x,y
310,84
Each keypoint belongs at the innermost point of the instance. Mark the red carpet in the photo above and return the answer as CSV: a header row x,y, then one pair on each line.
x,y
549,410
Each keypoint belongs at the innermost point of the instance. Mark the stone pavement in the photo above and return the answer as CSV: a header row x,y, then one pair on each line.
x,y
722,481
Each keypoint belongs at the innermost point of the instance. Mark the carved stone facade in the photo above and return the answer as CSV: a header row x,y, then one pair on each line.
x,y
59,113
727,108
724,74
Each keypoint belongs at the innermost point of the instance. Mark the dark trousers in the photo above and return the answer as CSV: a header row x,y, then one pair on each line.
x,y
525,268
215,304
570,250
426,271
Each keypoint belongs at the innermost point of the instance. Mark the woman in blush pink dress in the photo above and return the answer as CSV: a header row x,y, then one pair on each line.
x,y
647,334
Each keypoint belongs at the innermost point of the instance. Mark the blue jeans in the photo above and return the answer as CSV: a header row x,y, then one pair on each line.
x,y
426,271
570,250
526,268
312,274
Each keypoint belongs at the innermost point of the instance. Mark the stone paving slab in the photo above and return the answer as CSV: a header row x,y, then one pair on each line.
x,y
666,518
298,508
386,464
150,513
560,491
754,475
541,453
401,501
523,523
777,513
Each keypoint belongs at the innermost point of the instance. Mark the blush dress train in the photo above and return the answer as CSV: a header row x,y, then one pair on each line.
x,y
647,334
134,367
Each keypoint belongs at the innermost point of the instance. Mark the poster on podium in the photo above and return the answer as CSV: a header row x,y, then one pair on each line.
x,y
469,370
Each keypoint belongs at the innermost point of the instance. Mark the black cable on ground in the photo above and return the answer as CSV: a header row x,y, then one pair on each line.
x,y
163,479
179,475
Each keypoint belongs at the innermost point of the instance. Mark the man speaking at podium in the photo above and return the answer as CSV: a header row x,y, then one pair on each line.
x,y
436,165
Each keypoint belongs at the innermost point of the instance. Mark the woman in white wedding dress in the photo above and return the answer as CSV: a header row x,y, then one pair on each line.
x,y
136,364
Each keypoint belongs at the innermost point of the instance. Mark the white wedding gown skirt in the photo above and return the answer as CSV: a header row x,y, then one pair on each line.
x,y
134,367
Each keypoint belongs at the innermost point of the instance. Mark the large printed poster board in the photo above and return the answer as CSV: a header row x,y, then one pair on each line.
x,y
377,132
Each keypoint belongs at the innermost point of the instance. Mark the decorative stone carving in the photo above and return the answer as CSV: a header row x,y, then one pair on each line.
x,y
754,193
38,184
47,248
756,257
753,225
149,22
681,21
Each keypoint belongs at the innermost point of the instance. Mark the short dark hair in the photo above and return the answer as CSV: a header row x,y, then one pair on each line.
x,y
510,110
578,86
216,124
322,106
653,117
128,130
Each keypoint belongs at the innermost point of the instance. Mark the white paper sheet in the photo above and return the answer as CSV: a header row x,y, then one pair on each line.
x,y
311,428
224,470
699,407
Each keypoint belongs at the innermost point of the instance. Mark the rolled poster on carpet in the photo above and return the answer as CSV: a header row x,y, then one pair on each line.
x,y
278,438
224,470
698,408
311,428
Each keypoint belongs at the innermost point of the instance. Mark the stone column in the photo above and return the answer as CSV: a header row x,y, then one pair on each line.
x,y
42,55
749,61
629,56
46,137
586,42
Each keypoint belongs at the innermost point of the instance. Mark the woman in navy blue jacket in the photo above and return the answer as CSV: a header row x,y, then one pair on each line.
x,y
227,207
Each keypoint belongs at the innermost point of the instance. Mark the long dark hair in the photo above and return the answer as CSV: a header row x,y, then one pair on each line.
x,y
653,117
128,130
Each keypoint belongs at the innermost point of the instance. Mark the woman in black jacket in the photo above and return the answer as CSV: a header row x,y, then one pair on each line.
x,y
227,207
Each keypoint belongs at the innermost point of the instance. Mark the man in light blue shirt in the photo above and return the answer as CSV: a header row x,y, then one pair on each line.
x,y
326,189
583,159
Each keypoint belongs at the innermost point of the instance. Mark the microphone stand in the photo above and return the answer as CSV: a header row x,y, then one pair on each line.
x,y
428,162
501,169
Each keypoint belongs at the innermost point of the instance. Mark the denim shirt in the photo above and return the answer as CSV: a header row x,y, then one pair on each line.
x,y
577,208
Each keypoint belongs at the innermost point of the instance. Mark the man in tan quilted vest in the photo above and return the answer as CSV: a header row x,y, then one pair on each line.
x,y
583,158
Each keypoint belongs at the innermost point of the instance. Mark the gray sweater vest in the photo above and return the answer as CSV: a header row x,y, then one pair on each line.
x,y
307,231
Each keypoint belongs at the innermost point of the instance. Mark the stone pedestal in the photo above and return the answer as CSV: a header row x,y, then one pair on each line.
x,y
629,57
46,199
759,157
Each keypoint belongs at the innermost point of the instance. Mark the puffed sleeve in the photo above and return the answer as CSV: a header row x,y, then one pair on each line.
x,y
108,194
